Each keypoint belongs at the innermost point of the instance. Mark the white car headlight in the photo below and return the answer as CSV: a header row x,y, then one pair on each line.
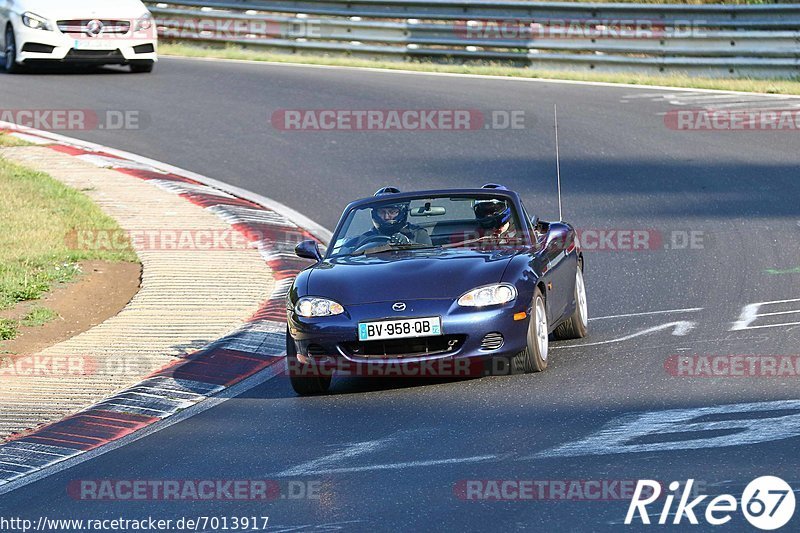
x,y
145,22
310,307
36,22
497,294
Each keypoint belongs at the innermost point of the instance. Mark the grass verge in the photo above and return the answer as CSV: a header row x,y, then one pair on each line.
x,y
8,140
8,329
37,215
237,52
684,2
38,316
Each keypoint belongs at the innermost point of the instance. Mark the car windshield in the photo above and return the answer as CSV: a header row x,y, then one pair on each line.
x,y
447,222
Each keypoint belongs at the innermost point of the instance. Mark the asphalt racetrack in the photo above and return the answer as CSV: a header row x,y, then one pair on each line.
x,y
719,213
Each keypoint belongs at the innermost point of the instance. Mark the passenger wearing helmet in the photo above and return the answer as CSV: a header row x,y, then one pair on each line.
x,y
496,225
493,215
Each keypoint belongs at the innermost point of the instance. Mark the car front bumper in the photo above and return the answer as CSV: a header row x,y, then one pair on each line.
x,y
55,46
331,340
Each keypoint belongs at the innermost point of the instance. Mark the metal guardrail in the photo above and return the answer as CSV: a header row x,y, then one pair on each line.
x,y
712,40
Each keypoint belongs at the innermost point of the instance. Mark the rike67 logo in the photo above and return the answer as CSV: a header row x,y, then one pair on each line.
x,y
767,502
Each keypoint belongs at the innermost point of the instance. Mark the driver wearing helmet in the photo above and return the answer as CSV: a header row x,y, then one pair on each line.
x,y
391,221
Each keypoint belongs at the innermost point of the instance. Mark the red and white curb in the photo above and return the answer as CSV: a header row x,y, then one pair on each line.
x,y
257,348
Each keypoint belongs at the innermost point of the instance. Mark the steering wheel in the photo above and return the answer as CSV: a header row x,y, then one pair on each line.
x,y
370,240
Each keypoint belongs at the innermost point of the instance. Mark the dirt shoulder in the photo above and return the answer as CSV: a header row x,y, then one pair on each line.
x,y
101,291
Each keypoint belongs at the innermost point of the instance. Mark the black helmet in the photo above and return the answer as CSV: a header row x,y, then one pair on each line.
x,y
492,213
390,227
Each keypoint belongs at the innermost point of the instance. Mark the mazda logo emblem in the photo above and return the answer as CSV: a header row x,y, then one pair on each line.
x,y
399,306
94,28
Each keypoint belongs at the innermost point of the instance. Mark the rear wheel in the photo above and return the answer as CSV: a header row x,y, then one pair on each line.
x,y
142,66
306,380
577,326
10,56
534,357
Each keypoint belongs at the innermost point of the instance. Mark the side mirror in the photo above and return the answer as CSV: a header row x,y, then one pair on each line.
x,y
308,250
557,238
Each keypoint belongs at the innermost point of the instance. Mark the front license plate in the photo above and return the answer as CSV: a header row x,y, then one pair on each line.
x,y
85,44
400,329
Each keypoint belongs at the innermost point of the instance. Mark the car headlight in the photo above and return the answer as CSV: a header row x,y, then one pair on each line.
x,y
145,22
310,307
36,22
497,294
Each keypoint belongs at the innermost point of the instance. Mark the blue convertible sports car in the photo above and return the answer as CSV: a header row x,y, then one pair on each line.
x,y
444,275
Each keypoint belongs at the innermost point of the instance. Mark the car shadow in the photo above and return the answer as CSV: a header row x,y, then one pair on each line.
x,y
73,70
358,385
279,388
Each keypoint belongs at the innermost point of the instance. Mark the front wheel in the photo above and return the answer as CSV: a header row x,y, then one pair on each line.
x,y
142,66
534,357
577,326
10,56
306,380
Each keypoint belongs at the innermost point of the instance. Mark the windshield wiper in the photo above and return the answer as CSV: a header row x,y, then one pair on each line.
x,y
469,241
394,247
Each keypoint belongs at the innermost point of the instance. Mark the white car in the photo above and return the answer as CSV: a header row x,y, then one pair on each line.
x,y
85,32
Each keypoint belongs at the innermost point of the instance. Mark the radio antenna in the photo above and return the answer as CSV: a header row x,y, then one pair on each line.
x,y
558,164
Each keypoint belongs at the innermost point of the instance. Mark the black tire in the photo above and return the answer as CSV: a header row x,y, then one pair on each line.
x,y
142,66
303,381
577,326
531,359
10,53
